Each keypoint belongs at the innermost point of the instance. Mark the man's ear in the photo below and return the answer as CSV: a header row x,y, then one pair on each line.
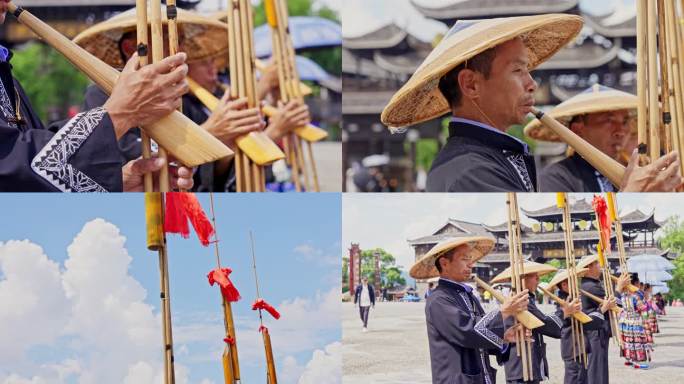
x,y
468,82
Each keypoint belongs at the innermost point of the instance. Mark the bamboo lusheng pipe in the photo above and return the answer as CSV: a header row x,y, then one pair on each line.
x,y
677,102
605,164
230,361
517,283
255,146
157,56
664,77
631,287
642,73
607,283
579,316
526,318
304,89
598,300
142,48
577,330
653,107
156,241
261,149
271,377
290,89
186,141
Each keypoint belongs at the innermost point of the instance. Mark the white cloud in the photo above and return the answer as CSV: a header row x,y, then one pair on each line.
x,y
325,366
93,310
290,371
309,253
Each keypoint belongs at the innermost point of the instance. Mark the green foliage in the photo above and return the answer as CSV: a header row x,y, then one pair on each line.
x,y
390,273
556,263
50,81
673,239
345,274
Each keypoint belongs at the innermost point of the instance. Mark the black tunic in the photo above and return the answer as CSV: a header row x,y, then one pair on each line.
x,y
462,336
597,370
540,366
475,159
575,373
573,174
79,156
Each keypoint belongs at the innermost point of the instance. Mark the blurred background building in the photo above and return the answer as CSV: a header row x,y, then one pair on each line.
x,y
386,40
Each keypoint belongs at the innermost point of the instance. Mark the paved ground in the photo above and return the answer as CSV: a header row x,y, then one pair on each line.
x,y
328,156
395,349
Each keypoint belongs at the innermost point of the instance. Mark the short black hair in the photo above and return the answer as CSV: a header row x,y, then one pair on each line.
x,y
448,84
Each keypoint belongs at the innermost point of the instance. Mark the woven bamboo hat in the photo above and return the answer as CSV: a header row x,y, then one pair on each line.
x,y
529,267
586,261
425,268
420,99
598,98
561,276
203,37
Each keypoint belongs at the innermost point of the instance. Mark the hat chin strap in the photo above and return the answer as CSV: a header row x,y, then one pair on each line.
x,y
484,115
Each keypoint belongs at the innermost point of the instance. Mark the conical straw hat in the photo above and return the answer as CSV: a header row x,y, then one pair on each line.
x,y
420,98
561,276
529,267
598,98
204,37
425,267
586,260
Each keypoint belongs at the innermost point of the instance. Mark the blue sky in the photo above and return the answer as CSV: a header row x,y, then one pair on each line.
x,y
297,241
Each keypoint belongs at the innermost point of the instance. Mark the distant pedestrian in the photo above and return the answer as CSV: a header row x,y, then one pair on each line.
x,y
365,297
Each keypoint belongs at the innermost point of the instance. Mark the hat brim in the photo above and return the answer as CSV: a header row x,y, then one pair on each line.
x,y
586,261
425,268
529,267
204,37
562,276
581,104
420,99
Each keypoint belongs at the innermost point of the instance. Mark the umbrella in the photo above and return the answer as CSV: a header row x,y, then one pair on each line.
x,y
375,161
642,263
310,70
654,277
661,289
306,31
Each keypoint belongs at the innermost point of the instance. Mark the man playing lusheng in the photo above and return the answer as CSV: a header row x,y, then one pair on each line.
x,y
480,73
461,335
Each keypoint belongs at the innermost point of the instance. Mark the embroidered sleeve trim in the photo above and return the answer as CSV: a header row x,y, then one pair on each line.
x,y
518,162
555,319
52,162
597,315
482,330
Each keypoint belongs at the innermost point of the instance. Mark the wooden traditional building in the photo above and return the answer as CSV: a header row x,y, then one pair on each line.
x,y
544,240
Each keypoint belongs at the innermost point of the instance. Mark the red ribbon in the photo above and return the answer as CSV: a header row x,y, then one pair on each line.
x,y
181,207
601,208
262,304
263,329
229,340
220,277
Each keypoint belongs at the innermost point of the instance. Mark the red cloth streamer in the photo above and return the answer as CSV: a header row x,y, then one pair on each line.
x,y
221,277
229,340
263,329
262,304
181,207
601,208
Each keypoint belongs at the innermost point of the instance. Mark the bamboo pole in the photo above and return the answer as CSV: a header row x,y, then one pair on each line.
x,y
653,107
143,50
157,56
642,74
664,76
230,361
676,67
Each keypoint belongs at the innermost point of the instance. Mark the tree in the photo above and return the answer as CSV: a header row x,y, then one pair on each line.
x,y
345,274
556,263
673,239
390,273
49,80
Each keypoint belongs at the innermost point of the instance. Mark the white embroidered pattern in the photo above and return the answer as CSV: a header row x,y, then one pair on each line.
x,y
555,319
604,184
597,315
482,330
6,105
518,162
485,370
466,300
52,162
